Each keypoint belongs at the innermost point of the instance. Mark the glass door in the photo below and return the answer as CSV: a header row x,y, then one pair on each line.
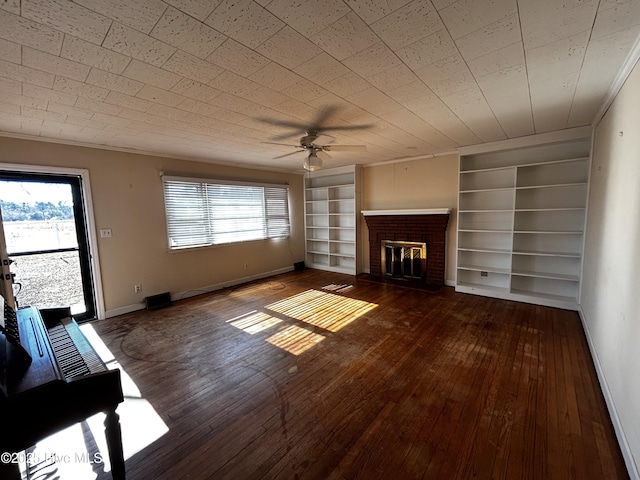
x,y
46,241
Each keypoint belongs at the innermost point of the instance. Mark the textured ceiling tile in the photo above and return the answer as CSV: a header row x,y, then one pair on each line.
x,y
199,9
308,17
374,101
322,69
111,81
245,21
167,112
237,58
513,112
539,11
22,100
68,110
447,76
440,4
393,78
618,18
305,91
137,45
416,126
10,52
186,33
347,84
559,58
497,60
288,48
43,114
231,102
127,101
444,120
86,103
490,38
234,84
409,24
54,64
160,96
87,53
81,89
509,80
266,97
192,67
275,77
9,86
195,90
471,107
374,59
466,16
557,26
27,32
406,94
431,49
8,108
111,120
373,10
145,73
141,14
49,94
67,17
345,37
551,102
12,6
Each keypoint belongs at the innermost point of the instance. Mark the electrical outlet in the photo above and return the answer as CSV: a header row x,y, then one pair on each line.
x,y
484,274
105,233
137,288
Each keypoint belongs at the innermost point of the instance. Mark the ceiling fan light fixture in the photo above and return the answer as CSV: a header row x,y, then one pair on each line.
x,y
312,162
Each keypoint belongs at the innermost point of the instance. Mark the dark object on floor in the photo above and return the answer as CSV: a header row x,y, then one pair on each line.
x,y
156,302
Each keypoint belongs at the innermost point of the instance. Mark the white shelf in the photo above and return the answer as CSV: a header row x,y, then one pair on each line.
x,y
331,206
521,223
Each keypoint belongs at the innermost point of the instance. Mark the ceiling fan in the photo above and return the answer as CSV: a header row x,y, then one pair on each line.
x,y
317,151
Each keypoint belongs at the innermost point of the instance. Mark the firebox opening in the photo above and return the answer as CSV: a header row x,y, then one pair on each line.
x,y
405,260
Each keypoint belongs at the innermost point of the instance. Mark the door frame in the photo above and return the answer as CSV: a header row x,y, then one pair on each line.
x,y
92,238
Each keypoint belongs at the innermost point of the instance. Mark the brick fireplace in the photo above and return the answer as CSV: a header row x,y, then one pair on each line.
x,y
424,226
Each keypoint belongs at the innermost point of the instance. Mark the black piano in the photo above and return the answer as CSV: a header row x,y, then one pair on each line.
x,y
51,378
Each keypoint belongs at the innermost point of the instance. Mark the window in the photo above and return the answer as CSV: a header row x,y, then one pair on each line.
x,y
211,212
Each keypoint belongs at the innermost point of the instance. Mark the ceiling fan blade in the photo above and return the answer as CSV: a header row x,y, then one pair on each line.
x,y
347,127
324,114
343,148
282,144
323,155
287,154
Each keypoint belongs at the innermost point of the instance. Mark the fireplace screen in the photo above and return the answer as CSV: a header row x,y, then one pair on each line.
x,y
404,259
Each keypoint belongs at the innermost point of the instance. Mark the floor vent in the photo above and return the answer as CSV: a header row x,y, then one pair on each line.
x,y
156,302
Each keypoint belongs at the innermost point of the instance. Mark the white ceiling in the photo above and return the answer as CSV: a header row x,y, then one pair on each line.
x,y
198,78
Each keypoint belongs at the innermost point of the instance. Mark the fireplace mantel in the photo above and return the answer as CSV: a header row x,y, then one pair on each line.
x,y
408,211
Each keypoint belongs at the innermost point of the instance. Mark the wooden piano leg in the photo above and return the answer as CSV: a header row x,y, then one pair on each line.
x,y
114,443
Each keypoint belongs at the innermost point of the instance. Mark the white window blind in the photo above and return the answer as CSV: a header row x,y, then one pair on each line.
x,y
208,212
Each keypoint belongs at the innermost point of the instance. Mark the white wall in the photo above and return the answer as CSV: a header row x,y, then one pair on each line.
x,y
611,280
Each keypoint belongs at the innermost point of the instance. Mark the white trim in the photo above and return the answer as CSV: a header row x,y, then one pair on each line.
x,y
83,173
618,82
627,454
426,156
408,211
200,291
577,133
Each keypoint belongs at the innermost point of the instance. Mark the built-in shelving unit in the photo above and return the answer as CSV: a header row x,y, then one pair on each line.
x,y
332,220
521,217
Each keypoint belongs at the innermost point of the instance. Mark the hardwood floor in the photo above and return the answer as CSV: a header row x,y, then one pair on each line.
x,y
384,382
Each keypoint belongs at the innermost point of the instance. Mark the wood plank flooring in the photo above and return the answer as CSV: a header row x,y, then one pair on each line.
x,y
293,377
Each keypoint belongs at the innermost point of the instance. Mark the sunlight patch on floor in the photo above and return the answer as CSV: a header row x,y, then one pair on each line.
x,y
322,309
295,340
254,322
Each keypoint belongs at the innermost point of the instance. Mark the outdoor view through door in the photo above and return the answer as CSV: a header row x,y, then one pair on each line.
x,y
46,239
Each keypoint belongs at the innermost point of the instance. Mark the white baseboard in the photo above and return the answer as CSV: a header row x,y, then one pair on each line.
x,y
198,291
450,283
627,454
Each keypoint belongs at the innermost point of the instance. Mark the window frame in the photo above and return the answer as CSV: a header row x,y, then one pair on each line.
x,y
283,217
